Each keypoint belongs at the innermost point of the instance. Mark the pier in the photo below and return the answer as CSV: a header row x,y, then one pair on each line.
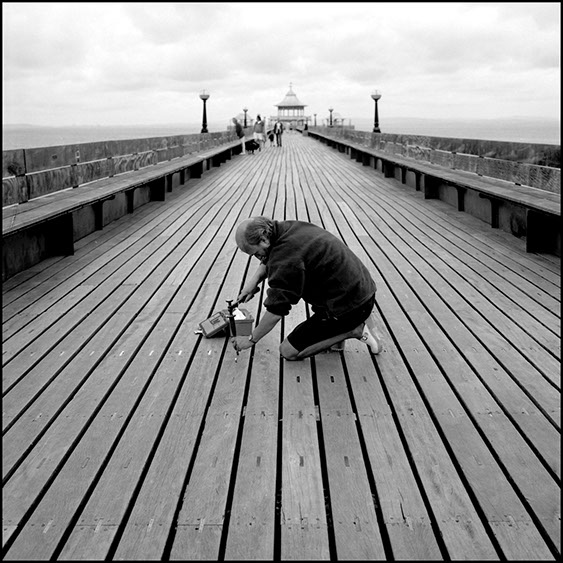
x,y
127,435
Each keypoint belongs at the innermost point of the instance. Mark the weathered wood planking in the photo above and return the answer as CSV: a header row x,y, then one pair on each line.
x,y
550,522
199,246
448,403
459,524
127,436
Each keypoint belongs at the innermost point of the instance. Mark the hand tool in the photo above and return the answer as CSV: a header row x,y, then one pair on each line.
x,y
232,324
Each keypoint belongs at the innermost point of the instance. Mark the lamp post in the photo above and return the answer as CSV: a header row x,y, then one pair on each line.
x,y
315,119
331,110
204,96
245,109
375,96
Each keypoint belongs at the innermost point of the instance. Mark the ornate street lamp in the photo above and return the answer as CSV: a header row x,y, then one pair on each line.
x,y
331,110
375,96
204,96
245,109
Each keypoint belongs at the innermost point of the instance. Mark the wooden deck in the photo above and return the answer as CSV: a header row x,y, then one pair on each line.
x,y
127,436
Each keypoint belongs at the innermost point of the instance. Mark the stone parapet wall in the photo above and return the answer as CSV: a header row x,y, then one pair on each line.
x,y
529,164
32,173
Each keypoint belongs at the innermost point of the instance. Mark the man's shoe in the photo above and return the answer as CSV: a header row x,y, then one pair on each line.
x,y
372,340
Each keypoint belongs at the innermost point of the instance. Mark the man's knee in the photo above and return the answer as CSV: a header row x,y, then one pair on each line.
x,y
288,352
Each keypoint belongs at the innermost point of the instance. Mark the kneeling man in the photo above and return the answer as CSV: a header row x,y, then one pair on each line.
x,y
303,261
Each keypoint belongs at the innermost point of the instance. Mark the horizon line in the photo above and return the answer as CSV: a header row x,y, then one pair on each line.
x,y
197,124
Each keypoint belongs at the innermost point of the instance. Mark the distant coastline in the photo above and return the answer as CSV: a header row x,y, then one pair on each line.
x,y
520,130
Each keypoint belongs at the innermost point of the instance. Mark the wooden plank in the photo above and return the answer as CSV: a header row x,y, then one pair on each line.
x,y
547,362
114,491
158,497
454,268
448,356
304,525
66,493
458,522
467,232
539,431
539,392
14,192
133,255
251,526
15,346
27,483
62,327
192,362
45,158
251,519
514,289
409,525
200,518
116,487
43,393
502,245
140,326
448,466
356,526
32,280
303,521
79,270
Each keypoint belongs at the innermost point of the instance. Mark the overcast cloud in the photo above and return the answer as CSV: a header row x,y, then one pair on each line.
x,y
130,63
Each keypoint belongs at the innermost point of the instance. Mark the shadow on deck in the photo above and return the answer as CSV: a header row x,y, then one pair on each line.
x,y
128,436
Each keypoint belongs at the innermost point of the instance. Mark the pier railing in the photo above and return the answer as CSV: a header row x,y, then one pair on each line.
x,y
527,164
31,173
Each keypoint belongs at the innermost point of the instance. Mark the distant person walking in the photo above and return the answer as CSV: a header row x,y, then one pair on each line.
x,y
259,135
278,130
240,134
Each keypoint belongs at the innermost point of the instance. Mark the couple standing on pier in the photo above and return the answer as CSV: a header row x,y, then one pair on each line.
x,y
259,133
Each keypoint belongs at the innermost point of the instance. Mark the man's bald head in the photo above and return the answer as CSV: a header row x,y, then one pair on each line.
x,y
252,233
254,230
240,235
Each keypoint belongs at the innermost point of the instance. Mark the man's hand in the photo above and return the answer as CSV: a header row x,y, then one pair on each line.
x,y
247,294
252,286
241,343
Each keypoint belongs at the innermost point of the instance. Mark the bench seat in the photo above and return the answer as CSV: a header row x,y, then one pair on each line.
x,y
45,226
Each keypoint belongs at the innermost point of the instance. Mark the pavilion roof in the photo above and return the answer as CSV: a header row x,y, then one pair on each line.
x,y
290,100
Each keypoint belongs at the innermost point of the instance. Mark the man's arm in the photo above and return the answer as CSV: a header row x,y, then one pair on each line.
x,y
251,286
267,323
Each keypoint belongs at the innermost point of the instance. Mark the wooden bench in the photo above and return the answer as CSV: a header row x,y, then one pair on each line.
x,y
522,210
49,225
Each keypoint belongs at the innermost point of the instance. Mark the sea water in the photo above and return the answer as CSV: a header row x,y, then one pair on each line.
x,y
515,130
30,136
521,130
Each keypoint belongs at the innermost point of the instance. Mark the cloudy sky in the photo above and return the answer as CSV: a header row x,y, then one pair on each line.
x,y
146,63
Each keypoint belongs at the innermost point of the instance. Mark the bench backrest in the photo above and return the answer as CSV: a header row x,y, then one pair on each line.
x,y
527,164
31,173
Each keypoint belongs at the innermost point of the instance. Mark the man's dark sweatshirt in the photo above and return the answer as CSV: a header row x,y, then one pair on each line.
x,y
307,262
